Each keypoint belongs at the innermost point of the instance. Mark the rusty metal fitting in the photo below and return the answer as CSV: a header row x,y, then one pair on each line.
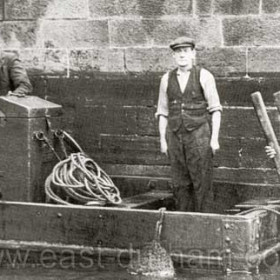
x,y
39,135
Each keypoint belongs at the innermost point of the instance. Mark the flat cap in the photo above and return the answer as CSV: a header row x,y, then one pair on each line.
x,y
181,42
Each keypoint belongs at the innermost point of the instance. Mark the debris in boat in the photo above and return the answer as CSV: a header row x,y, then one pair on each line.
x,y
153,259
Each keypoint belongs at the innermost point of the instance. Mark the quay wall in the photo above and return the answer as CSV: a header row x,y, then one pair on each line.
x,y
102,61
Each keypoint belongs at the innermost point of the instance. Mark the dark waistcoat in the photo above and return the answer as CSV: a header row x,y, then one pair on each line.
x,y
188,108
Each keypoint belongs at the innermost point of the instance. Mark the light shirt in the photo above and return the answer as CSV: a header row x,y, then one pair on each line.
x,y
208,85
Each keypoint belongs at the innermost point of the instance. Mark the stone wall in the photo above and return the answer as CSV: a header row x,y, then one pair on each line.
x,y
102,60
65,38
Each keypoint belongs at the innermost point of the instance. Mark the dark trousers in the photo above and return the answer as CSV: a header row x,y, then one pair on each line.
x,y
191,162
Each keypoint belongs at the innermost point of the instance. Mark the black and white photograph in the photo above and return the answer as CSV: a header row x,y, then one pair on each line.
x,y
139,139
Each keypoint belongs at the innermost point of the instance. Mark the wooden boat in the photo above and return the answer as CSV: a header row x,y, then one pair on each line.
x,y
235,240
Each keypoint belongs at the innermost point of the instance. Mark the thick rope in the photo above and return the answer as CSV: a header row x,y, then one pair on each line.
x,y
79,178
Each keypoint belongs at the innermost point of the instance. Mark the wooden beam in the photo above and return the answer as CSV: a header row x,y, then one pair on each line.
x,y
267,127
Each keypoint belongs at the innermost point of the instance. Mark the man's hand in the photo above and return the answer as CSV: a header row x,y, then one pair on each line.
x,y
270,152
163,146
214,144
10,93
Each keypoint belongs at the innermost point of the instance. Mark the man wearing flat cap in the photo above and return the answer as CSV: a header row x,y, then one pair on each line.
x,y
189,114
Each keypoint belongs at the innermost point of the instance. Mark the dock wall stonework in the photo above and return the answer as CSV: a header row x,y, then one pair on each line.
x,y
102,61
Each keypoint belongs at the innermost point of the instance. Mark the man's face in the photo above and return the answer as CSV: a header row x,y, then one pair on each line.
x,y
184,56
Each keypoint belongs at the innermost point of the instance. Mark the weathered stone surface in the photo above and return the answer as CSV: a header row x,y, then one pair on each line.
x,y
262,60
18,34
236,7
67,9
90,60
105,90
223,61
148,59
237,91
25,9
252,154
123,33
73,34
2,9
270,6
113,120
204,7
34,9
131,149
147,124
243,122
167,7
134,149
39,85
139,8
45,61
251,31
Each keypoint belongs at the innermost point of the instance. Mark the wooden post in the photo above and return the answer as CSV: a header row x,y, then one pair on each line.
x,y
266,126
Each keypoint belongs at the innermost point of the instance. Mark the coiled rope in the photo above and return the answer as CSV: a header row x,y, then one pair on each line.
x,y
79,180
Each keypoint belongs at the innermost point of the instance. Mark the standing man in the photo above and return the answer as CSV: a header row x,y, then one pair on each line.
x,y
189,114
13,77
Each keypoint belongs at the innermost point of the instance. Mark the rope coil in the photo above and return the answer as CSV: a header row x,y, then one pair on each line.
x,y
79,180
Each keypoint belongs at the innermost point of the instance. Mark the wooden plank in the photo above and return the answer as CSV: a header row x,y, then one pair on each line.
x,y
246,175
196,236
133,185
237,175
147,200
109,227
226,194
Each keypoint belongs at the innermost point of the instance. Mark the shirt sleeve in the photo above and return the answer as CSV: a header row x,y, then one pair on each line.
x,y
162,106
19,76
208,84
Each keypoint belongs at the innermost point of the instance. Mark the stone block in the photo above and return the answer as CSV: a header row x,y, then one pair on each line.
x,y
116,60
251,31
271,6
263,59
124,33
204,7
18,34
45,61
236,7
2,9
73,33
90,60
67,9
162,8
223,61
25,9
148,59
34,9
143,9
